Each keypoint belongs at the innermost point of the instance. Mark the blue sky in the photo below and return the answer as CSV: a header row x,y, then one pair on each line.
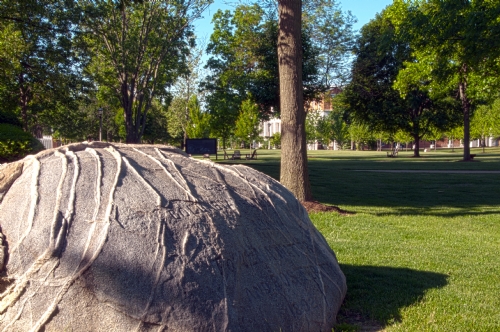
x,y
363,10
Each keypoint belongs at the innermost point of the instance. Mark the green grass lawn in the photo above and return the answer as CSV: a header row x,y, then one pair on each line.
x,y
422,250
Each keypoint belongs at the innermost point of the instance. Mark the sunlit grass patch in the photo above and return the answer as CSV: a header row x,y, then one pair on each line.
x,y
422,251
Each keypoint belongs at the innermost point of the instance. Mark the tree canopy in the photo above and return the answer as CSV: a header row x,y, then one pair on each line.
x,y
138,49
390,90
455,42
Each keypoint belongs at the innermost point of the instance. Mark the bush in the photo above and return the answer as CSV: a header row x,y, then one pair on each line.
x,y
16,144
10,118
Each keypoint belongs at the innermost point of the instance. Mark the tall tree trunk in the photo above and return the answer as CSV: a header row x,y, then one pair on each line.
x,y
293,173
462,87
23,101
416,137
416,146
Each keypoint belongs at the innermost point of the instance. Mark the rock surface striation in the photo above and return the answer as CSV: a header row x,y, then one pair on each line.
x,y
108,237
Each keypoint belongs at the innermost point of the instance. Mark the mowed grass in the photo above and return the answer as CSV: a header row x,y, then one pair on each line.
x,y
421,251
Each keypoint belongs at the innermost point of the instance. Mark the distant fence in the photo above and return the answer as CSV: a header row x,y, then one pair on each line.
x,y
46,141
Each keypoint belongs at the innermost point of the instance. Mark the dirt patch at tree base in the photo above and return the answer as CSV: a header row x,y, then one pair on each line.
x,y
315,206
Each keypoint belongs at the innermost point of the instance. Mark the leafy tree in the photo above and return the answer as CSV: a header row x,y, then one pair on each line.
x,y
223,106
403,137
244,59
434,134
332,35
314,126
177,118
138,50
184,88
275,140
336,129
388,102
247,124
199,122
486,122
15,143
38,64
459,39
360,134
76,125
156,124
454,133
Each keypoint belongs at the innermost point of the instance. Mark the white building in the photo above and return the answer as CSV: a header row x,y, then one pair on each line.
x,y
323,106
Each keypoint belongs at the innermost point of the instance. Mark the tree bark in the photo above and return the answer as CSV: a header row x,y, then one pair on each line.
x,y
416,137
293,173
23,101
416,146
462,87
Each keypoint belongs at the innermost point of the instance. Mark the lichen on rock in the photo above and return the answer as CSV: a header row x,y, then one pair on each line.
x,y
143,238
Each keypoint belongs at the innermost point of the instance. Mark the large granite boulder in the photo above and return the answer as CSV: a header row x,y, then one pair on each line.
x,y
101,237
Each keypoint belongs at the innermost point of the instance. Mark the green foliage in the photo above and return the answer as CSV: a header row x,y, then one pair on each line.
x,y
314,125
177,117
77,124
247,124
243,50
402,137
155,130
10,118
15,143
275,140
360,133
223,107
454,42
120,124
331,34
199,122
38,61
335,128
486,121
386,96
150,53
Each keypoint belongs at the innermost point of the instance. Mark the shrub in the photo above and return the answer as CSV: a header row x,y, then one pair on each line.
x,y
10,118
16,144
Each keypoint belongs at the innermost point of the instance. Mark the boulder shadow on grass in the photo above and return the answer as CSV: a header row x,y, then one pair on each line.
x,y
376,294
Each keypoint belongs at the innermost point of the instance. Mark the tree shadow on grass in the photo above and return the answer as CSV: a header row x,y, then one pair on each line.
x,y
377,294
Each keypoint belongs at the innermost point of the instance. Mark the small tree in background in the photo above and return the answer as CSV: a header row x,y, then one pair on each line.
x,y
176,119
453,134
313,127
486,122
247,124
275,140
337,128
360,134
402,136
434,134
198,125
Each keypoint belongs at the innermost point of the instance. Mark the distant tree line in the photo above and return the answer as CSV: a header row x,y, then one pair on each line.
x,y
417,70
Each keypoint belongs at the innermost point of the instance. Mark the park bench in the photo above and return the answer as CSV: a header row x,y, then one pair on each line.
x,y
236,155
393,153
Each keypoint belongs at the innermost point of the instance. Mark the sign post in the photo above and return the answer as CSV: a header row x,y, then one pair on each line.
x,y
201,146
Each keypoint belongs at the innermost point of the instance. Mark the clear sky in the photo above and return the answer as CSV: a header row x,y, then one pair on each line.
x,y
363,10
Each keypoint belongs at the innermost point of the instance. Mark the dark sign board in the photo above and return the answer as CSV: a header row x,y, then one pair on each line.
x,y
201,146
